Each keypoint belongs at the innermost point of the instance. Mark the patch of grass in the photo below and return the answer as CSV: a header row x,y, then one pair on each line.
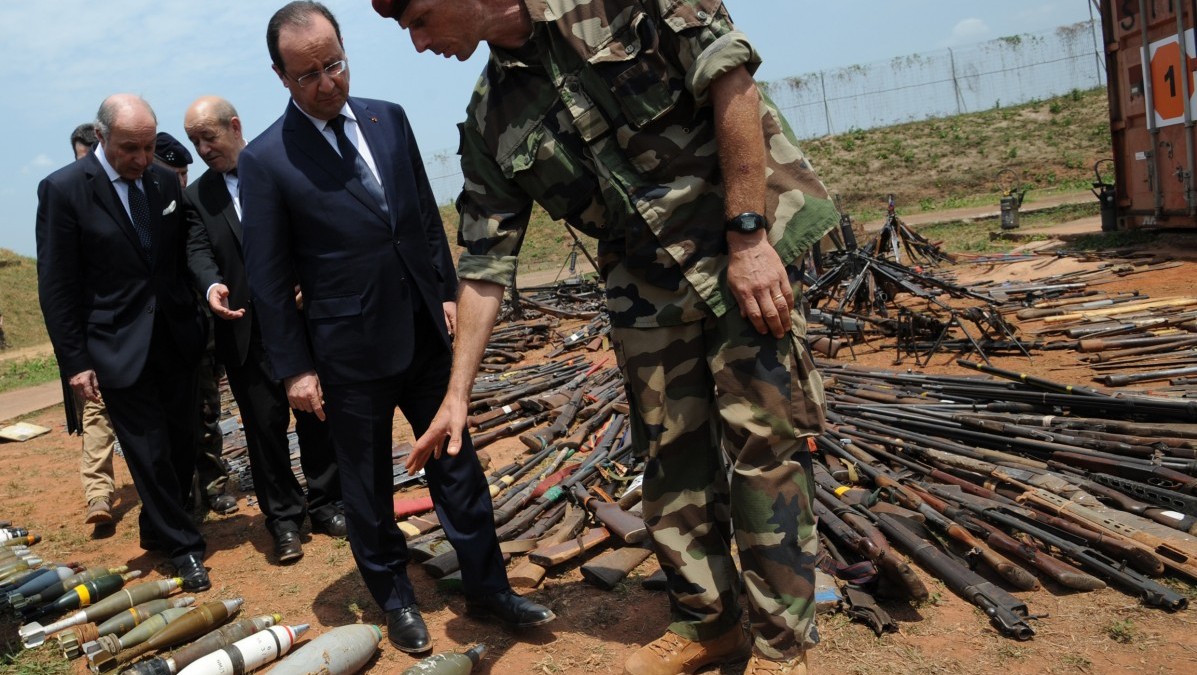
x,y
22,315
933,600
1077,661
34,662
968,236
1122,631
20,373
547,665
1109,240
1059,214
953,162
1008,651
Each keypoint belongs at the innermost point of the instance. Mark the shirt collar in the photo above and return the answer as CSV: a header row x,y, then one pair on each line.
x,y
322,125
113,176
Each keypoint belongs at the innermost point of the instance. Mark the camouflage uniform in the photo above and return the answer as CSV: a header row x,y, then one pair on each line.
x,y
603,119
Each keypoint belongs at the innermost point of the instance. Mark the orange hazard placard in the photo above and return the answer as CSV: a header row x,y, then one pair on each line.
x,y
1167,92
1170,66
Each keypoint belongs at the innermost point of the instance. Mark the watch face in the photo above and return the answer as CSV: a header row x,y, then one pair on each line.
x,y
746,223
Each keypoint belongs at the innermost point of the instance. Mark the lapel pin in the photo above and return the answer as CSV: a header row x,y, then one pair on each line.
x,y
373,119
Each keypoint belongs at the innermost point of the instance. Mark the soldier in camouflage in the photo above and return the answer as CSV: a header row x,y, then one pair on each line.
x,y
638,122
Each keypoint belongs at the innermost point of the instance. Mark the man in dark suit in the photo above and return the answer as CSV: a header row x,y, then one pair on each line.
x,y
334,192
215,258
121,314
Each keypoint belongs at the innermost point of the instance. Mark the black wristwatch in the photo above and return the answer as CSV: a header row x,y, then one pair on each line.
x,y
746,223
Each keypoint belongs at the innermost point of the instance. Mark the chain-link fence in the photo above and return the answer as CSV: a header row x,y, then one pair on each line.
x,y
940,83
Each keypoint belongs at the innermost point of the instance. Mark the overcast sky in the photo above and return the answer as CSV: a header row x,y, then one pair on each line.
x,y
64,56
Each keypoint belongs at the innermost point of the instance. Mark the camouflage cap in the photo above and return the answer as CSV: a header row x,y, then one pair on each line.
x,y
390,9
168,149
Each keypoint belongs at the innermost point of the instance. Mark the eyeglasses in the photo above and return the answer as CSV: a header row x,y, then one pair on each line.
x,y
331,70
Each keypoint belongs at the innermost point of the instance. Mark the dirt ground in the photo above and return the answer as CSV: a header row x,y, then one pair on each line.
x,y
1099,632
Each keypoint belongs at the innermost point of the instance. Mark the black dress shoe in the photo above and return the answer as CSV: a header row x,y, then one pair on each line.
x,y
287,548
333,526
406,630
223,504
191,569
511,609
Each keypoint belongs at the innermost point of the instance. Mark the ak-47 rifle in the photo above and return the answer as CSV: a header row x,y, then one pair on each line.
x,y
887,482
1061,572
858,534
1007,613
1175,555
1073,546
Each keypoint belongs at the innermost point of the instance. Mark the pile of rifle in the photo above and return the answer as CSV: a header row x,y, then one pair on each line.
x,y
573,491
868,290
994,484
570,299
864,294
895,237
512,340
1125,338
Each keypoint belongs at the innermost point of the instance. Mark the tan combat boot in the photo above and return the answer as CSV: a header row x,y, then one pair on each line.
x,y
99,512
759,665
672,654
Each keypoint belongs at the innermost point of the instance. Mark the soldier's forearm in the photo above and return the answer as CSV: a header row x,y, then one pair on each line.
x,y
741,141
478,305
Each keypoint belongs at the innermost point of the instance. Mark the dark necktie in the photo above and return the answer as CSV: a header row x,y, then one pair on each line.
x,y
354,161
139,211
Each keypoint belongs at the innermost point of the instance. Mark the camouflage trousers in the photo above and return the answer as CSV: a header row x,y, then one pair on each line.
x,y
723,413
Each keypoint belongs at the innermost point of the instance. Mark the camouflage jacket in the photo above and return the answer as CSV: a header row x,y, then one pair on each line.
x,y
603,119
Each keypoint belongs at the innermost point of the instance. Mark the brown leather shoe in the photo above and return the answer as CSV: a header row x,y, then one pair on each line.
x,y
759,665
99,512
672,654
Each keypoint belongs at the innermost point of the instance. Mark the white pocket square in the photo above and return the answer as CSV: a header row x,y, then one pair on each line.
x,y
169,209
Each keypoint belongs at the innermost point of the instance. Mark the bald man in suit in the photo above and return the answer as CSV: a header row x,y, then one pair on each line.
x,y
121,315
215,257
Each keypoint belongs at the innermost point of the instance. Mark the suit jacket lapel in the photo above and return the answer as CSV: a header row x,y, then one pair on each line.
x,y
216,192
312,143
106,195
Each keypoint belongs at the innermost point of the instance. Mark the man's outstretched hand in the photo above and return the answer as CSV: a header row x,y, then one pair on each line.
x,y
444,435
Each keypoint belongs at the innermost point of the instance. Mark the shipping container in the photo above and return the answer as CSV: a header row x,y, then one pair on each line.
x,y
1151,56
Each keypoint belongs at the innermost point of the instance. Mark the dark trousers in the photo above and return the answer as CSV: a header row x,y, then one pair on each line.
x,y
361,415
211,473
266,414
154,420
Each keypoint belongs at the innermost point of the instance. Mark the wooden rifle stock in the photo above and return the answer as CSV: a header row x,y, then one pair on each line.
x,y
610,568
529,574
556,554
1060,571
631,529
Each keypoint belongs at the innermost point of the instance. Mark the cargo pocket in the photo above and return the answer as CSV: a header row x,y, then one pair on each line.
x,y
806,390
542,165
636,72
